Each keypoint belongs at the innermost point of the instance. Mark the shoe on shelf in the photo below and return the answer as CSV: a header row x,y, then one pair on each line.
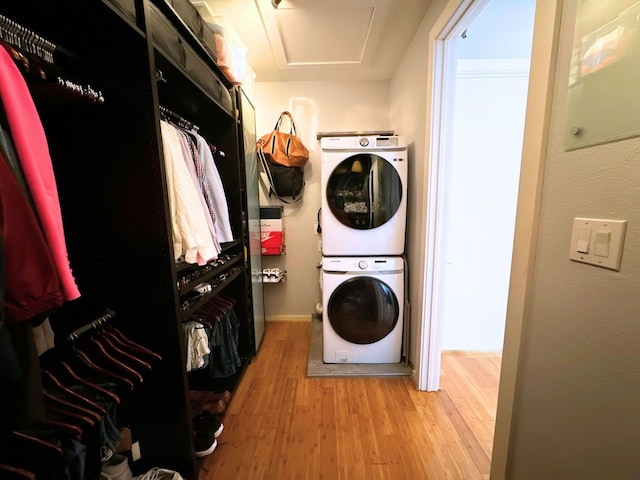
x,y
208,401
205,395
116,468
209,422
160,474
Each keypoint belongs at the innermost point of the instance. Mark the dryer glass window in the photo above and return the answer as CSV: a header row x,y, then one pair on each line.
x,y
364,191
363,310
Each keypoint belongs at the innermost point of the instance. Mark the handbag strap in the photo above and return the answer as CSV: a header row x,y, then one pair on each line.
x,y
272,188
292,130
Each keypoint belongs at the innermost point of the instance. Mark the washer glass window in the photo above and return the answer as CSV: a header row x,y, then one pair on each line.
x,y
363,310
364,191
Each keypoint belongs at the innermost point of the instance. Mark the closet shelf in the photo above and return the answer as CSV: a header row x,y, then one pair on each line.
x,y
200,300
202,274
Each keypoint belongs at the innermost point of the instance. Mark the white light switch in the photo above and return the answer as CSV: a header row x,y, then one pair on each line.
x,y
584,235
603,241
598,241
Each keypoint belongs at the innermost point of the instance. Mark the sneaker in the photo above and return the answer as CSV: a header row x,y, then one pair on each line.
x,y
204,442
117,468
160,474
210,422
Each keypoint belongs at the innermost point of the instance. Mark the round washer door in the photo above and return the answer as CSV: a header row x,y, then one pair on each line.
x,y
363,310
364,191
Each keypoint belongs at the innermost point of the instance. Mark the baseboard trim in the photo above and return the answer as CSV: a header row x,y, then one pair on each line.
x,y
288,318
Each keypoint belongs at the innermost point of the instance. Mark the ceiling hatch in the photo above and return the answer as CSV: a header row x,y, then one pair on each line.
x,y
318,34
322,36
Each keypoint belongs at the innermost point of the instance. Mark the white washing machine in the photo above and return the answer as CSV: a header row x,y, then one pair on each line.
x,y
364,195
362,301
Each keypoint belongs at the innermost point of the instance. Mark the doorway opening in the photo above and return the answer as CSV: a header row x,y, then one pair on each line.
x,y
482,60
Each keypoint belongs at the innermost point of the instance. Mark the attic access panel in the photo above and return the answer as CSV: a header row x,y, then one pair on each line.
x,y
320,35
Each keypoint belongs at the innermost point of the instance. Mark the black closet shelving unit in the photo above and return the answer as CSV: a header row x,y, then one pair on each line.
x,y
108,162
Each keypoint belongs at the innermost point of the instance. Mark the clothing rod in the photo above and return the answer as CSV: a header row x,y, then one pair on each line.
x,y
14,33
93,325
179,119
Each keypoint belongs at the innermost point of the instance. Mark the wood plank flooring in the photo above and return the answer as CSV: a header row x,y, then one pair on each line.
x,y
282,425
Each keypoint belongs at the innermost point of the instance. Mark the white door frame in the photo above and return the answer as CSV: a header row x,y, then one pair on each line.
x,y
439,172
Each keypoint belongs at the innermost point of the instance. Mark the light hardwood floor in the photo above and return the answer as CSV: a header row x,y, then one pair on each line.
x,y
282,425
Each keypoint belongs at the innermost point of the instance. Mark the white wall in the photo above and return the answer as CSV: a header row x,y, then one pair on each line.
x,y
578,387
485,167
316,107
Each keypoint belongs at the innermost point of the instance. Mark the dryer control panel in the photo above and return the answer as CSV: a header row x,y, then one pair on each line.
x,y
368,143
362,264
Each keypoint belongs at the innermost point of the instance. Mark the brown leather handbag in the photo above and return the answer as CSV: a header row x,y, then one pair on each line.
x,y
283,148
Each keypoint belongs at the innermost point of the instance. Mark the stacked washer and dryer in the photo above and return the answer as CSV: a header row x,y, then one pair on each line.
x,y
363,217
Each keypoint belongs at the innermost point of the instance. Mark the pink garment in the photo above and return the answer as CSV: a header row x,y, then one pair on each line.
x,y
33,151
31,285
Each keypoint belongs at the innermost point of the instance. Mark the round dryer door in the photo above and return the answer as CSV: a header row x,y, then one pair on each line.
x,y
364,191
363,310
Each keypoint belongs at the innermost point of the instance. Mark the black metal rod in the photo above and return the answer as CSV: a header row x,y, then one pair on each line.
x,y
94,325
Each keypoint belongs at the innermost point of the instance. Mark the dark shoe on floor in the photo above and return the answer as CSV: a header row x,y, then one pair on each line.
x,y
204,441
208,422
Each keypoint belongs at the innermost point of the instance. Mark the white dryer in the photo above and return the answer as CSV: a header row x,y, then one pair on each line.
x,y
364,195
362,300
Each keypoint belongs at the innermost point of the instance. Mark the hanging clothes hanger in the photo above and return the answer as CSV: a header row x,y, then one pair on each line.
x,y
109,344
59,402
38,452
96,352
72,394
30,440
114,376
91,385
78,420
133,344
9,472
201,319
64,428
129,348
213,311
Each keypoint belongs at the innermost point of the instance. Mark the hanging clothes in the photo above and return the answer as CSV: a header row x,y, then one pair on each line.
x,y
218,197
33,285
191,237
190,158
33,151
224,360
197,345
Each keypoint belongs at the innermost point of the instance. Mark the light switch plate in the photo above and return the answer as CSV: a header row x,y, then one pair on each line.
x,y
598,228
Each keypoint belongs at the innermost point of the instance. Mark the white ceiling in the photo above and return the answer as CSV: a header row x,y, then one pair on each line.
x,y
321,40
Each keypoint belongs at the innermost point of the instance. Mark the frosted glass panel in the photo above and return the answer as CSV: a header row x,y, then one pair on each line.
x,y
604,98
